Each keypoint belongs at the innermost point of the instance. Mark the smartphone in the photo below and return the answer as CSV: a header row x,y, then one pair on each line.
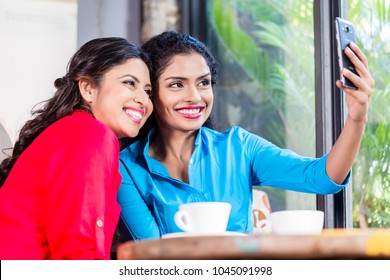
x,y
345,33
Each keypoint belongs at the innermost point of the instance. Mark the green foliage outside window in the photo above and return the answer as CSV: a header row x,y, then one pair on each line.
x,y
371,180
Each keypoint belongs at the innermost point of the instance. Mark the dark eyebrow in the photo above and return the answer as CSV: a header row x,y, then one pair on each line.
x,y
204,76
135,78
128,75
182,78
175,78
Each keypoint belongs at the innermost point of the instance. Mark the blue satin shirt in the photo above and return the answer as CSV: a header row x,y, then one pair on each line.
x,y
223,167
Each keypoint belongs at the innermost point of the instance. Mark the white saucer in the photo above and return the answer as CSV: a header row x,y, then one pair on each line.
x,y
190,234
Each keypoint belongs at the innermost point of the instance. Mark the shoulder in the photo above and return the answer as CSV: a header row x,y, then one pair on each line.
x,y
83,123
235,132
81,129
235,137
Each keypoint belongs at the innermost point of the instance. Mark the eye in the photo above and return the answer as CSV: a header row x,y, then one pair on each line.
x,y
129,83
149,92
176,85
205,83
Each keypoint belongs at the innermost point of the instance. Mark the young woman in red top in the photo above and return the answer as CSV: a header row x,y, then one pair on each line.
x,y
58,188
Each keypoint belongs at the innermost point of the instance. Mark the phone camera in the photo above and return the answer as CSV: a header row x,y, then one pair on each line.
x,y
346,29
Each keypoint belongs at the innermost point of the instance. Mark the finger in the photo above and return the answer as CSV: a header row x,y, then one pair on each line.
x,y
355,79
361,69
359,82
360,96
363,91
359,54
339,85
359,66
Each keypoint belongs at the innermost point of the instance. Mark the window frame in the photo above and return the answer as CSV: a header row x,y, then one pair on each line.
x,y
337,207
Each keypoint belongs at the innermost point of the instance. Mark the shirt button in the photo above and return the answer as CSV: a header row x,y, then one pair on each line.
x,y
99,223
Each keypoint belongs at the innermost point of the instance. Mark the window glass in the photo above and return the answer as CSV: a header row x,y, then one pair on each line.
x,y
371,172
266,84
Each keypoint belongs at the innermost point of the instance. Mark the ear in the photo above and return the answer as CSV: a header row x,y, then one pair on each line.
x,y
86,90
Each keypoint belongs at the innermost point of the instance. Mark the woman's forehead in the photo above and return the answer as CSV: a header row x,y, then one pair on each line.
x,y
186,65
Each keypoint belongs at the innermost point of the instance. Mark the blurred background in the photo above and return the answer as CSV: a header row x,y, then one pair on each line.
x,y
278,69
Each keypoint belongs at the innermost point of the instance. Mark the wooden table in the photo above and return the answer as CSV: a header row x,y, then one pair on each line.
x,y
331,244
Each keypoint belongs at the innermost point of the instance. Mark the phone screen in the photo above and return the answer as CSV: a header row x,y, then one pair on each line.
x,y
345,33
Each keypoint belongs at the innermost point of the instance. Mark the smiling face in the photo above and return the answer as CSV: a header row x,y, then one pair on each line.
x,y
121,101
185,97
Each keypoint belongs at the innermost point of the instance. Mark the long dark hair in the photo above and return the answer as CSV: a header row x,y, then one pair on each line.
x,y
161,50
91,61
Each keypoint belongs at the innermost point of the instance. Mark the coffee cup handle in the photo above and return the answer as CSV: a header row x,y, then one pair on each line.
x,y
181,217
264,226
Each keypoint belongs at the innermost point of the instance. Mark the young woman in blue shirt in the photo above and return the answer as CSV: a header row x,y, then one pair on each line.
x,y
180,160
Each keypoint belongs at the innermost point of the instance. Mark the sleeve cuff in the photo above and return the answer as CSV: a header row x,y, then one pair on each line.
x,y
328,186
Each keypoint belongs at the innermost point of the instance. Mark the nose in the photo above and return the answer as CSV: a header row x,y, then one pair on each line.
x,y
141,97
193,94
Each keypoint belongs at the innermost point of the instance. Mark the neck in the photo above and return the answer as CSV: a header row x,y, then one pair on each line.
x,y
175,145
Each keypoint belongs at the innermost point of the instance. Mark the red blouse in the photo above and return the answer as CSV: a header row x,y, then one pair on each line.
x,y
59,201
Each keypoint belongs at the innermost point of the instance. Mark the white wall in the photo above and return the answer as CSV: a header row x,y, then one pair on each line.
x,y
37,39
106,18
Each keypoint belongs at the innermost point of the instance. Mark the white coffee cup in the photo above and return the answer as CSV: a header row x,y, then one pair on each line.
x,y
203,217
297,222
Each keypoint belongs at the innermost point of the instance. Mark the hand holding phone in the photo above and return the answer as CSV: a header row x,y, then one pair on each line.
x,y
345,33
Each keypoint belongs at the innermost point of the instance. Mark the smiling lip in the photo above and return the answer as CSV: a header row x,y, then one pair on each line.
x,y
191,112
135,114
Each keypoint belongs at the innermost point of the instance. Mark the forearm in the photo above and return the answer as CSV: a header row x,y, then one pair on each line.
x,y
342,155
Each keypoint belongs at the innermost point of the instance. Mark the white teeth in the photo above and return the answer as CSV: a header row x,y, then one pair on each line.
x,y
135,114
189,111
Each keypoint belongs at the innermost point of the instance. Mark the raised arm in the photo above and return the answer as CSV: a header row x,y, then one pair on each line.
x,y
343,153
